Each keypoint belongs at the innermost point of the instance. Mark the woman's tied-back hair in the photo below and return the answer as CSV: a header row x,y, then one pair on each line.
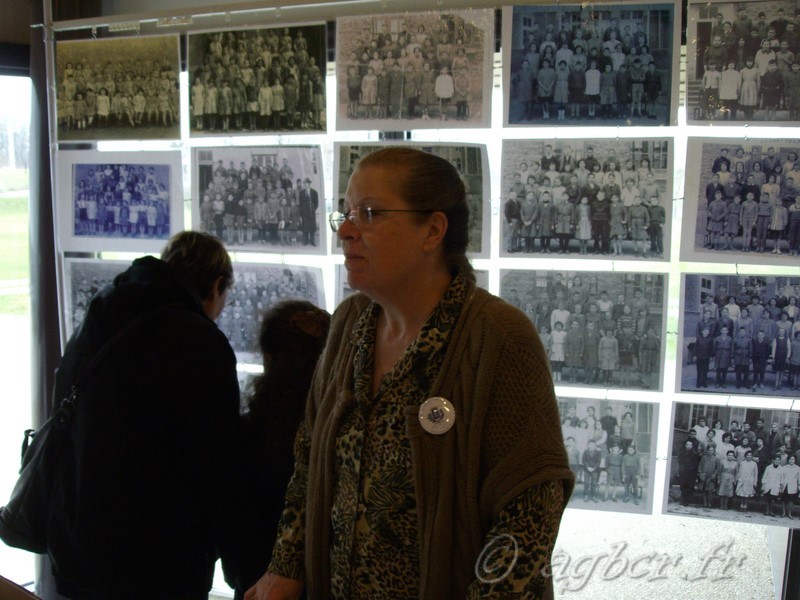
x,y
430,183
199,259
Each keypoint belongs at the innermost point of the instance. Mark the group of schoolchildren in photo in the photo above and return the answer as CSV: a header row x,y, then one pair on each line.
x,y
747,332
257,81
403,74
592,339
602,455
256,205
121,201
746,463
251,296
578,198
751,66
592,70
130,93
754,197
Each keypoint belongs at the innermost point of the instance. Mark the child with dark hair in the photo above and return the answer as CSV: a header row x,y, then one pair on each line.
x,y
293,334
708,473
631,466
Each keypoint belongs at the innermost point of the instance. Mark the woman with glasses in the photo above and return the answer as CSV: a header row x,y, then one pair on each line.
x,y
431,447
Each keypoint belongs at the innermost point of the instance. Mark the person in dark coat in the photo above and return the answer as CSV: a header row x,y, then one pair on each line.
x,y
703,350
292,337
688,464
147,495
309,203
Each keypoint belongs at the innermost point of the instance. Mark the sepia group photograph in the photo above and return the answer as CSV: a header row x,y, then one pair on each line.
x,y
587,198
255,289
734,463
579,64
611,451
423,70
118,200
740,335
261,198
599,330
741,64
742,198
124,88
258,81
470,160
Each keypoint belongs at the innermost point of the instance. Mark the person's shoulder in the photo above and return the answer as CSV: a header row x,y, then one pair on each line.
x,y
498,315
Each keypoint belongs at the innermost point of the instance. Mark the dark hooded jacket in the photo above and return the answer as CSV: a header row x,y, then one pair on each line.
x,y
149,482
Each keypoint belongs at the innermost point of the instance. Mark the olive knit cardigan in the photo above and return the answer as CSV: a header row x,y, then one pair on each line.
x,y
506,438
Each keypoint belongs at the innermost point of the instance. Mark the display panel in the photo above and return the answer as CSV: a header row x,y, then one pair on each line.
x,y
470,160
261,198
579,64
599,329
742,201
595,198
730,46
740,335
255,289
124,201
611,449
118,89
265,80
733,463
425,70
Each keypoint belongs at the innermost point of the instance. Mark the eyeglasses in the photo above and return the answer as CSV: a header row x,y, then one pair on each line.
x,y
364,216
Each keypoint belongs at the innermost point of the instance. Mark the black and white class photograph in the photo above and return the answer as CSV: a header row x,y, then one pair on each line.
x,y
600,330
256,288
119,200
587,198
423,70
123,88
611,447
257,81
734,463
741,64
261,198
740,335
742,198
591,64
471,161
83,278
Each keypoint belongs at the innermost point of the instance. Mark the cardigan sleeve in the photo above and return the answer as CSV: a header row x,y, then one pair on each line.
x,y
516,554
288,554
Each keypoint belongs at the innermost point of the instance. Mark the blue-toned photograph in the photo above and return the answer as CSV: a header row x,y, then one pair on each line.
x,y
128,200
610,64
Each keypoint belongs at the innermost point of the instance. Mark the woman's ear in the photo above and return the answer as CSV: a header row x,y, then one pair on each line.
x,y
437,228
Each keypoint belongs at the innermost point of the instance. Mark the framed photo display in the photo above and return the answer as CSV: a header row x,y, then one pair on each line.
x,y
591,64
742,199
258,80
424,70
83,278
599,329
740,335
588,199
739,59
470,160
118,201
611,451
732,463
261,198
257,287
118,89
